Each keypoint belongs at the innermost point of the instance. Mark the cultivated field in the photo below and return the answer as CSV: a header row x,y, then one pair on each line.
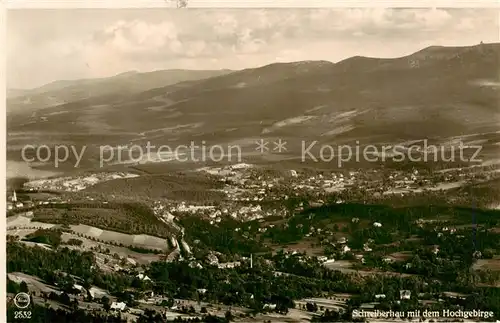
x,y
123,252
139,240
34,283
128,218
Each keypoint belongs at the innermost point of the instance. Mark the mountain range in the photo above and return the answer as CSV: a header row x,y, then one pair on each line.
x,y
438,93
60,92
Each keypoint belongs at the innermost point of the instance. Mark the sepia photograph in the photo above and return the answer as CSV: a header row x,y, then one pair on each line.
x,y
186,164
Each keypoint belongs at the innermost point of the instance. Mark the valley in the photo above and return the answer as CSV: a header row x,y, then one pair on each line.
x,y
268,235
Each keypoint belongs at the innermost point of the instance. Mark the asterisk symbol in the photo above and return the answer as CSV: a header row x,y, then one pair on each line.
x,y
279,145
262,146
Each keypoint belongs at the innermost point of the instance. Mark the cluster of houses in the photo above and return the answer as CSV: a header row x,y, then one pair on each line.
x,y
244,184
14,203
77,183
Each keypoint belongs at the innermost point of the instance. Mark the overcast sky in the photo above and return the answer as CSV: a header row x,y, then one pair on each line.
x,y
49,45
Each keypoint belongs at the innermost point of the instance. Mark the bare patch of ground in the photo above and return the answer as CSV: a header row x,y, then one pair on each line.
x,y
488,264
139,240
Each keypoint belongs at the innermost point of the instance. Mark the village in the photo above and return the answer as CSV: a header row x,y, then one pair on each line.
x,y
251,197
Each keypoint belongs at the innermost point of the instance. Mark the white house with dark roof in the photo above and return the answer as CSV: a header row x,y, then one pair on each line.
x,y
118,306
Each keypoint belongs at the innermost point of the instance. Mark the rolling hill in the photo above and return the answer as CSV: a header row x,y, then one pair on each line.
x,y
61,92
437,93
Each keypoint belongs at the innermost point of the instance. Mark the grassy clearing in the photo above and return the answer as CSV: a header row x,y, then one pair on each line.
x,y
138,240
127,218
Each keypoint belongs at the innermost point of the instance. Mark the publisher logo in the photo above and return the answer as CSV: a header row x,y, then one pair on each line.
x,y
22,300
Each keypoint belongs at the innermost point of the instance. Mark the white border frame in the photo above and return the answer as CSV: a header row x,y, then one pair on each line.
x,y
115,4
173,4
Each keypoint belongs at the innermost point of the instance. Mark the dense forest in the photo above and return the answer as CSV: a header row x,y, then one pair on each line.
x,y
224,238
242,286
46,236
281,278
130,218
